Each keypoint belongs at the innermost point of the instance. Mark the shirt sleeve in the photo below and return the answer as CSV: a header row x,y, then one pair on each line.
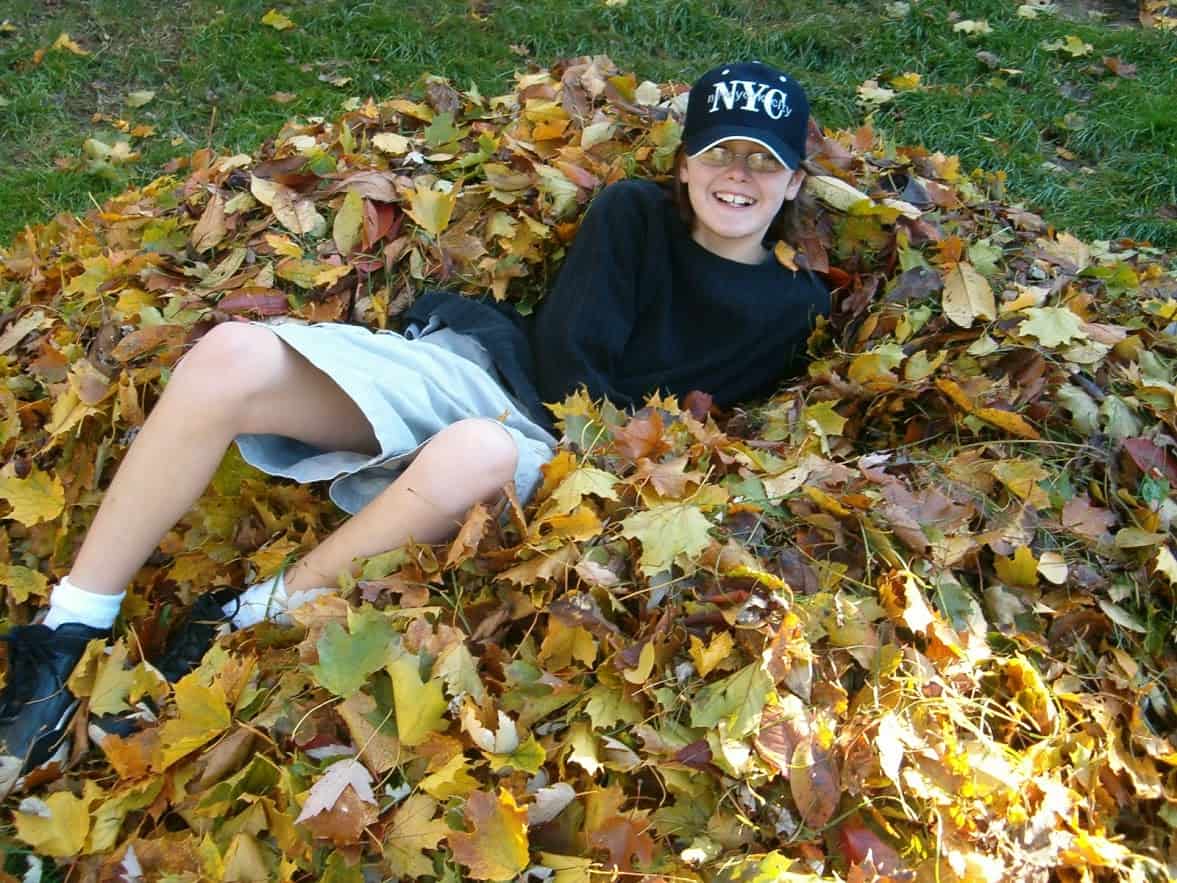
x,y
584,323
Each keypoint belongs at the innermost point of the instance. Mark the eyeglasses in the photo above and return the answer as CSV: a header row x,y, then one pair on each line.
x,y
760,163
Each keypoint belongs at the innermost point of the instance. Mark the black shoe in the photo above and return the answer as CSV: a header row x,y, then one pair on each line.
x,y
190,640
36,707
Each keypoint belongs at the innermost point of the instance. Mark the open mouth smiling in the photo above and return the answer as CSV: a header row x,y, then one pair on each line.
x,y
737,200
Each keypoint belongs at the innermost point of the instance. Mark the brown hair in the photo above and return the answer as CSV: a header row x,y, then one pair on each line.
x,y
783,227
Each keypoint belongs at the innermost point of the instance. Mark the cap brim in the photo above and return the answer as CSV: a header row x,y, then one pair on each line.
x,y
717,135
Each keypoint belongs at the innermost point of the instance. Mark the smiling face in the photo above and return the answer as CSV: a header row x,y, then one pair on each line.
x,y
733,206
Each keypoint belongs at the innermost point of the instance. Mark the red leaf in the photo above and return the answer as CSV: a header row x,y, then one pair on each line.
x,y
1150,457
859,844
623,839
260,301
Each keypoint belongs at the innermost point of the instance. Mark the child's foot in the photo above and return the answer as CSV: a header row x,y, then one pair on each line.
x,y
192,638
36,707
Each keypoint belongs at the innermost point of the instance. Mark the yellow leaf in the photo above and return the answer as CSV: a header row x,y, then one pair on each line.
x,y
270,559
581,524
22,582
203,715
277,20
834,192
1021,477
37,497
1052,326
565,643
902,598
973,28
1015,424
906,81
967,296
415,829
569,869
708,658
390,142
1135,538
580,483
283,245
112,683
64,41
140,98
871,94
431,209
785,254
348,222
641,673
330,274
420,705
132,300
1021,570
56,825
452,780
824,418
1166,564
496,848
667,532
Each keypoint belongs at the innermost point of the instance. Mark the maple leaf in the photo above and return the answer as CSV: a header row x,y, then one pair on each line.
x,y
23,583
496,848
1052,326
413,830
624,839
277,20
340,804
737,700
58,824
431,208
348,658
667,532
420,705
35,498
708,657
202,715
452,779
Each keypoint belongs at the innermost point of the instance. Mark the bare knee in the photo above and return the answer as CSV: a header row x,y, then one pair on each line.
x,y
481,448
229,365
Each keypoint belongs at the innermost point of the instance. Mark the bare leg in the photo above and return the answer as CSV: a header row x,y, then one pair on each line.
x,y
463,464
238,378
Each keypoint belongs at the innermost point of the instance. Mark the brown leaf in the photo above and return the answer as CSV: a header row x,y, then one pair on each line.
x,y
496,849
1088,521
641,437
146,340
465,544
814,783
624,839
210,230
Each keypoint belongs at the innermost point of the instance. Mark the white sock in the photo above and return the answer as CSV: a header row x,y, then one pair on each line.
x,y
268,600
71,603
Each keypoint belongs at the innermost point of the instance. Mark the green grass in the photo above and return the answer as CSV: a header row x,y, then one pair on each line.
x,y
213,67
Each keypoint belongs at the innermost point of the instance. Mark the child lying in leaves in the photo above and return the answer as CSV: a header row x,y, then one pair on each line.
x,y
673,290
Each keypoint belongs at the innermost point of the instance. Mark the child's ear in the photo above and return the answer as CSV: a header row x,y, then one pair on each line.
x,y
682,171
794,185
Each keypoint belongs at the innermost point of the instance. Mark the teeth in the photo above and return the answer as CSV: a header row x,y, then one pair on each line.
x,y
734,199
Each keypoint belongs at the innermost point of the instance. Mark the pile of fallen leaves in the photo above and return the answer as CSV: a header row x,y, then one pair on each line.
x,y
911,619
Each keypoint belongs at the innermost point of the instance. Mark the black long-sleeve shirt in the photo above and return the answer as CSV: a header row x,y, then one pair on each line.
x,y
639,306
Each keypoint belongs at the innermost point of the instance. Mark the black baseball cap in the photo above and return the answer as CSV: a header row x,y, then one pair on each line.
x,y
748,100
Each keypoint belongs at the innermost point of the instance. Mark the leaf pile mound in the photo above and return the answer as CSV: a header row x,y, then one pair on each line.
x,y
911,619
